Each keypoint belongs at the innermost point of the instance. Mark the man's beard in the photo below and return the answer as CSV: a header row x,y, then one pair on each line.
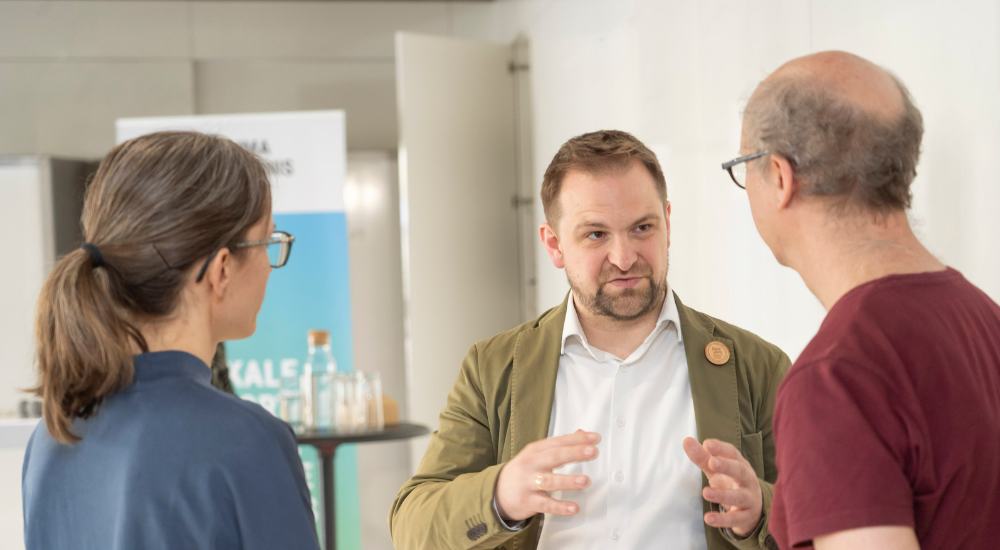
x,y
630,303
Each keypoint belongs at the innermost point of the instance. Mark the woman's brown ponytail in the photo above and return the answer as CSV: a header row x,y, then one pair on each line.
x,y
157,205
84,343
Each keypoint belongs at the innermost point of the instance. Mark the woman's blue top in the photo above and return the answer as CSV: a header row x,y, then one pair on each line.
x,y
168,463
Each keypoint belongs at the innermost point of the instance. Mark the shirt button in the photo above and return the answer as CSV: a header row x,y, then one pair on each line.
x,y
621,422
619,476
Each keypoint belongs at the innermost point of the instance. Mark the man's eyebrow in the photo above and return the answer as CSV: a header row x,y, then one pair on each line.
x,y
592,224
588,224
645,219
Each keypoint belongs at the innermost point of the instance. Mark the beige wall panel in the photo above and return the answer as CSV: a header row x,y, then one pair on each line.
x,y
315,30
94,29
69,108
365,91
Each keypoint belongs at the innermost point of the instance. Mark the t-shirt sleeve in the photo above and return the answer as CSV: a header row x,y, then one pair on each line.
x,y
842,451
269,495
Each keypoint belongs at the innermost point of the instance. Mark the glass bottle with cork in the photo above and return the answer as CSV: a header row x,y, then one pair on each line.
x,y
318,381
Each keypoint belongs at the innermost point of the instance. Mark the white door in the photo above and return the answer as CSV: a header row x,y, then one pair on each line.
x,y
458,210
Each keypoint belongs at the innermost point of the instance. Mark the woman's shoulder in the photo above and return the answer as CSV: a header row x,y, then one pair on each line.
x,y
232,417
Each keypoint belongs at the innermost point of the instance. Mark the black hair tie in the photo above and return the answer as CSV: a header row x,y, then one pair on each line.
x,y
96,258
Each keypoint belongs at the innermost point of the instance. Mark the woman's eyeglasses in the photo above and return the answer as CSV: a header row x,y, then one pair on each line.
x,y
279,248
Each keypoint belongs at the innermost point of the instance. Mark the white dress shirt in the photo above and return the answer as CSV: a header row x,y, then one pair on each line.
x,y
644,491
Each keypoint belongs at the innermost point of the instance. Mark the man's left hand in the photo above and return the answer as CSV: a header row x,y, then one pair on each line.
x,y
732,483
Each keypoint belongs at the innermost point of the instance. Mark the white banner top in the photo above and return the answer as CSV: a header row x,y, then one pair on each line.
x,y
305,152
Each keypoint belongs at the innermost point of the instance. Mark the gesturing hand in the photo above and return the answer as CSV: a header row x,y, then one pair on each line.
x,y
732,483
525,482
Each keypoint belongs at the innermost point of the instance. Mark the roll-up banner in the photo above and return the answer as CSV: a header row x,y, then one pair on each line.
x,y
306,157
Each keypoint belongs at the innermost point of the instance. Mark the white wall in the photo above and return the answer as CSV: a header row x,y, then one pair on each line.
x,y
676,74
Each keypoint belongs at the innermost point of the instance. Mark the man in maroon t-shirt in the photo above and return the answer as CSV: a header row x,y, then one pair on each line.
x,y
887,426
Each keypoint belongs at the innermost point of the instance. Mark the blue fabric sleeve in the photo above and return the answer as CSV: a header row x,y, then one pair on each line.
x,y
269,496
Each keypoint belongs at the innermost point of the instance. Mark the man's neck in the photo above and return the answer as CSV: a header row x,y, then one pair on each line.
x,y
836,257
617,337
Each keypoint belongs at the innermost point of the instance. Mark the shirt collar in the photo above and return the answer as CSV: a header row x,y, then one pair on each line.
x,y
573,328
163,365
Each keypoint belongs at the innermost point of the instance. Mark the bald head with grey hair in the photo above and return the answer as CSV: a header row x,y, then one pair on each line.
x,y
848,127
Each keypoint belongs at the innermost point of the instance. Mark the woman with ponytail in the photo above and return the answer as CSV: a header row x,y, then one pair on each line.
x,y
137,449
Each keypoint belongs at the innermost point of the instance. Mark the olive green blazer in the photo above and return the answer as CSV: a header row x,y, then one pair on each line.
x,y
502,401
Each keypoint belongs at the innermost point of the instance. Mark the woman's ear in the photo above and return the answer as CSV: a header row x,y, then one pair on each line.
x,y
220,273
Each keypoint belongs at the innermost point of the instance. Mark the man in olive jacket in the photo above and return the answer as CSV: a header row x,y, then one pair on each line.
x,y
574,430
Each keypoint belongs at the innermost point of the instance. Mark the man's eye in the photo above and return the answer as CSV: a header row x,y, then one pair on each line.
x,y
642,228
595,235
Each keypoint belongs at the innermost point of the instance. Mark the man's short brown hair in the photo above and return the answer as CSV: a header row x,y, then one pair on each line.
x,y
596,153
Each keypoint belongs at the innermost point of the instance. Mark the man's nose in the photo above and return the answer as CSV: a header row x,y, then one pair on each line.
x,y
622,254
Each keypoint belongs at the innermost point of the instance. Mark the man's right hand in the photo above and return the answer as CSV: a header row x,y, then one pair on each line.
x,y
525,482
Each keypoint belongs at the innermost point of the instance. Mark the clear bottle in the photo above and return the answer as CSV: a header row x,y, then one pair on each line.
x,y
318,380
344,402
373,401
290,397
359,402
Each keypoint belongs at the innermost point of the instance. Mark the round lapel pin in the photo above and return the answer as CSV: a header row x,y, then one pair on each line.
x,y
717,353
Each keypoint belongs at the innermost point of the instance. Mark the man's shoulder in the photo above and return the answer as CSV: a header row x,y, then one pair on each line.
x,y
743,339
504,343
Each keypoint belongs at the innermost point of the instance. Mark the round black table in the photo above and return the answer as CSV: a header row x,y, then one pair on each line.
x,y
327,441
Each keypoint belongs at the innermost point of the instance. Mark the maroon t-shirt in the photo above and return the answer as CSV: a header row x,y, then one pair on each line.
x,y
891,416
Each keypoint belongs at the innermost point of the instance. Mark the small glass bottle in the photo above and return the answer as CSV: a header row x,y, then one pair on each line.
x,y
318,380
290,399
373,401
359,403
343,402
